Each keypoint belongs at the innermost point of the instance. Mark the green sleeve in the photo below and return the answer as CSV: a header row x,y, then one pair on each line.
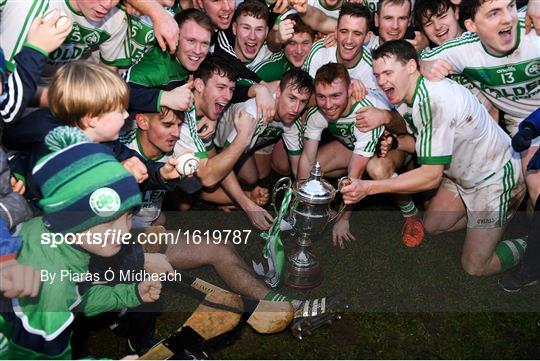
x,y
101,298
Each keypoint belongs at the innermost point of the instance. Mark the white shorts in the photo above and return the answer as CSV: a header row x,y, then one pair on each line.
x,y
494,202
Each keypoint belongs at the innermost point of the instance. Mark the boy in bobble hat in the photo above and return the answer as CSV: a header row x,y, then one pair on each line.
x,y
88,197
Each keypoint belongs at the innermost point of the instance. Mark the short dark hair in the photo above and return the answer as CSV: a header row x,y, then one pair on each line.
x,y
355,11
298,79
393,2
428,9
253,8
401,49
469,8
300,26
215,64
330,72
197,16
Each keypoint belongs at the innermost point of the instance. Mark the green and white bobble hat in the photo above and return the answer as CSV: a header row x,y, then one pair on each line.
x,y
82,183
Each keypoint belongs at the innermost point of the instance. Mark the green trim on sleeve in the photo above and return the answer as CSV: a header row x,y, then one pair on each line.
x,y
36,48
19,176
121,63
445,159
201,155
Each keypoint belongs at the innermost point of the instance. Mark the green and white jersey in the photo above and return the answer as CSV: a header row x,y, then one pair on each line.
x,y
263,136
344,129
318,4
320,55
452,128
272,68
141,34
108,36
189,138
152,199
511,82
262,56
157,69
372,5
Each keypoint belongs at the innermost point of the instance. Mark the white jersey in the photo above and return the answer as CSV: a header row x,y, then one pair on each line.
x,y
318,4
189,139
108,36
321,55
291,134
152,199
344,129
452,128
511,83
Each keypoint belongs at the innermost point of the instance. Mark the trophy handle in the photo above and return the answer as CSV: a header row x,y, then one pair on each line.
x,y
343,181
281,185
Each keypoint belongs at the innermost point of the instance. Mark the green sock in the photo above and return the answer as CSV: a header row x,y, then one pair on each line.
x,y
510,252
408,209
274,296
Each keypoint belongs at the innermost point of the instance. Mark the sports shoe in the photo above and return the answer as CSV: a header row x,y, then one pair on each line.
x,y
515,280
413,232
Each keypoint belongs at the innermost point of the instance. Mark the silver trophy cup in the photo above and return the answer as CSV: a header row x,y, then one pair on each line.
x,y
309,214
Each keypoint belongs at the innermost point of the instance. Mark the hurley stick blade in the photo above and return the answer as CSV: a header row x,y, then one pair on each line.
x,y
266,316
218,313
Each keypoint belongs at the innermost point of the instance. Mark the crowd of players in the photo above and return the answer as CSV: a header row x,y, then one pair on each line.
x,y
401,97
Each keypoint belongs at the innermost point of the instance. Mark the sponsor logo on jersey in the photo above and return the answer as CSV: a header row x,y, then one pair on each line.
x,y
533,69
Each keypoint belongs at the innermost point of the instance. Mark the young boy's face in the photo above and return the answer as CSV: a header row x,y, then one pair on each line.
x,y
107,126
250,35
110,232
495,23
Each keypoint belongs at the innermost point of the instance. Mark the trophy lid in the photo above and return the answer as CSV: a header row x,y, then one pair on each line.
x,y
314,189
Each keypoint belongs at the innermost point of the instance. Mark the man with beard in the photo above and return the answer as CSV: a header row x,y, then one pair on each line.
x,y
462,153
505,67
351,150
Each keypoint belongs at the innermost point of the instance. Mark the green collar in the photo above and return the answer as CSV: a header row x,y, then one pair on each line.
x,y
357,62
72,9
420,79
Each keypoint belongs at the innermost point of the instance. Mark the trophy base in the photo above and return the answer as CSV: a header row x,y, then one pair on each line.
x,y
303,277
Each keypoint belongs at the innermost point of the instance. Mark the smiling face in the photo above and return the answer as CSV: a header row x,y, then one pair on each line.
x,y
393,20
351,34
442,27
94,10
291,103
193,45
250,35
212,98
495,23
332,99
394,78
220,12
297,48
